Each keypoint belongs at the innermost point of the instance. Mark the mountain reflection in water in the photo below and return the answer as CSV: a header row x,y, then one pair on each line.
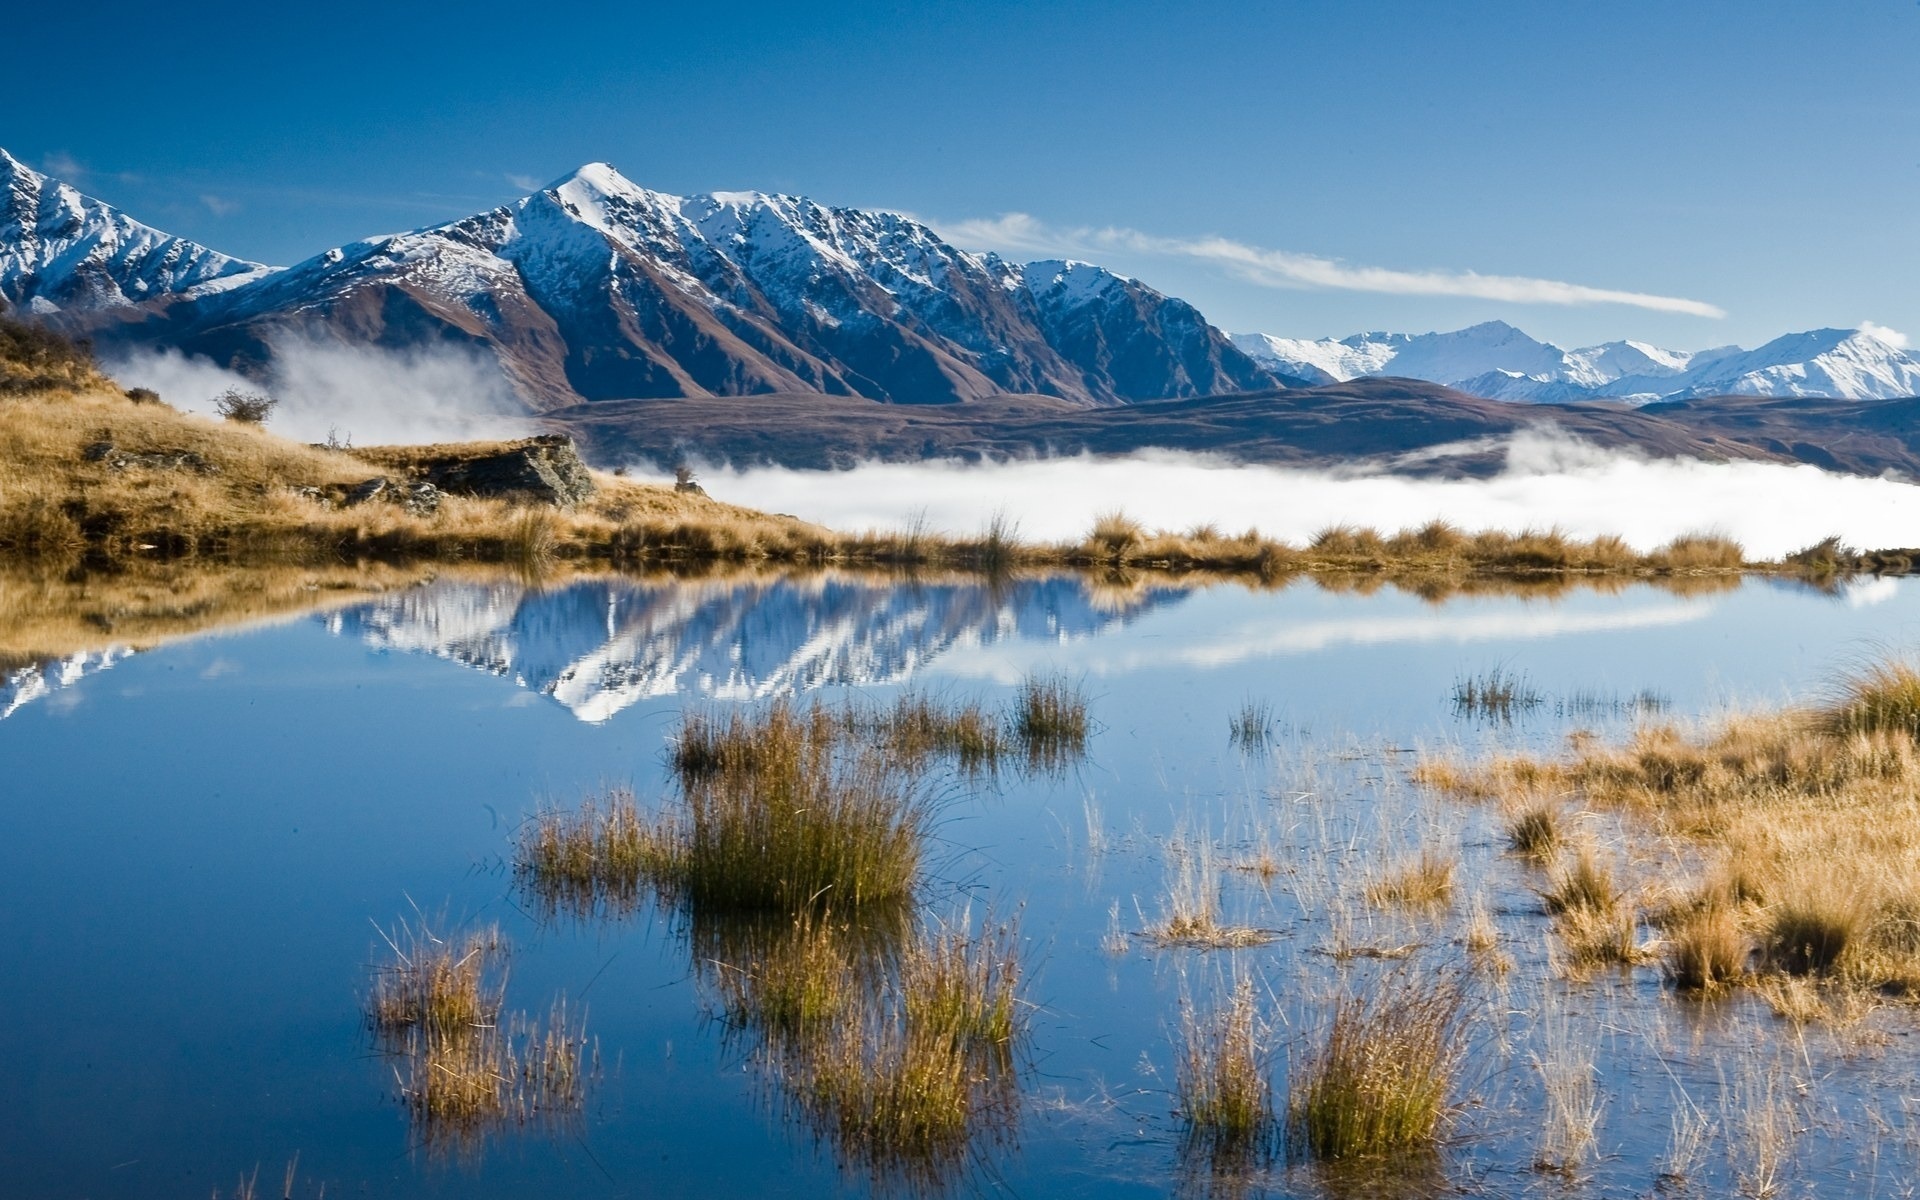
x,y
598,646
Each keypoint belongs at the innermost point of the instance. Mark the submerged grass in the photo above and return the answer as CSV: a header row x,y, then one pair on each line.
x,y
1498,694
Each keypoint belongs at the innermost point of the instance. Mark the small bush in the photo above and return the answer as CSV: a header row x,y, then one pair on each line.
x,y
142,395
247,408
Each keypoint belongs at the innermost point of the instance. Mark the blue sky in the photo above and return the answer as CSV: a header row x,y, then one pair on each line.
x,y
1299,168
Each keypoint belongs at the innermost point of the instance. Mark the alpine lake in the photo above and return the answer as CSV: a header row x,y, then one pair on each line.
x,y
213,847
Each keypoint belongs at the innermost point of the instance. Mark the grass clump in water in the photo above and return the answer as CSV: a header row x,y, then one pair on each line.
x,y
1534,830
1222,1081
1704,949
589,861
464,1067
918,728
912,1080
1425,881
1050,720
1250,728
774,814
437,985
1497,695
1374,1080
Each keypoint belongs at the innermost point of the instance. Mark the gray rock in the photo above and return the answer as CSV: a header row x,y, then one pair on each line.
x,y
545,468
418,498
154,460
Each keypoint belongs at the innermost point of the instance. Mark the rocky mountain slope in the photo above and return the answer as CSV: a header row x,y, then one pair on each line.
x,y
1500,362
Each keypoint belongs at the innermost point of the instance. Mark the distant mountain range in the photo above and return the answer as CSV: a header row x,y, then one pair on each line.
x,y
1499,362
595,288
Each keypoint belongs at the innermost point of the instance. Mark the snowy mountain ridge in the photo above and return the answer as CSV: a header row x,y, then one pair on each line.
x,y
595,288
62,250
1500,362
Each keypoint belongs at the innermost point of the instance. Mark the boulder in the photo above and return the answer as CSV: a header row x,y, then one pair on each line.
x,y
545,468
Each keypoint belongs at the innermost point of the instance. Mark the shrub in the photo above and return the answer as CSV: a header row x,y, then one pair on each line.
x,y
248,408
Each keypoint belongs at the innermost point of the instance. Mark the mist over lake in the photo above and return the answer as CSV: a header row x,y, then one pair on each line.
x,y
1549,482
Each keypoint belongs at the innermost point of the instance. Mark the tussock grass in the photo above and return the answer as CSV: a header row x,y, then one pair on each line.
x,y
461,1089
1705,950
775,813
918,728
441,985
1374,1078
465,1068
1812,814
591,861
1049,720
1423,881
1584,884
1880,696
912,1077
1533,829
1223,1081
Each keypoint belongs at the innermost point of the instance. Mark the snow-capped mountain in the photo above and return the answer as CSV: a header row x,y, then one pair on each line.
x,y
60,250
22,686
596,288
598,647
1500,362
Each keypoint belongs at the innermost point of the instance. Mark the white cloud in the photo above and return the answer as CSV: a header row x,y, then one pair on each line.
x,y
1021,233
525,183
219,206
1892,337
1549,481
327,388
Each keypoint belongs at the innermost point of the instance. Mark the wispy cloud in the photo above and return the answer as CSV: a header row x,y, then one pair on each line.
x,y
1021,233
1892,337
525,183
64,166
219,206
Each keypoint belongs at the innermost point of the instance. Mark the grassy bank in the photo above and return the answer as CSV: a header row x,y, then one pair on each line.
x,y
178,485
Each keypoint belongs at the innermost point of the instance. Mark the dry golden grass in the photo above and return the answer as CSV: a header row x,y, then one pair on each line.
x,y
1423,881
1810,818
251,494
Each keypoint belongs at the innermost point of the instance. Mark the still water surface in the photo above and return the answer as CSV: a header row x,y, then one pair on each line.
x,y
197,842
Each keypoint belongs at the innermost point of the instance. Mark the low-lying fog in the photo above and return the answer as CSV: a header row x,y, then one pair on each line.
x,y
1548,482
